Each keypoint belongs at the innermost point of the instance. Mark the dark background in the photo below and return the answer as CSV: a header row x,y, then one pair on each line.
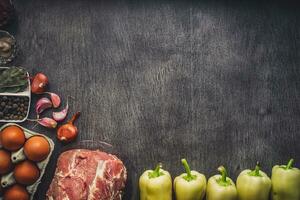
x,y
216,82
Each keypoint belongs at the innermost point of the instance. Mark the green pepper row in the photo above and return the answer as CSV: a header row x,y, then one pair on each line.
x,y
250,185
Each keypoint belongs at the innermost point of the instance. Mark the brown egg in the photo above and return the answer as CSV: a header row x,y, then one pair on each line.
x,y
12,138
37,148
5,162
26,172
16,192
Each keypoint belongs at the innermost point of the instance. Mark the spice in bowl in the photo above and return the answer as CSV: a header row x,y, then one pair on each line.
x,y
13,107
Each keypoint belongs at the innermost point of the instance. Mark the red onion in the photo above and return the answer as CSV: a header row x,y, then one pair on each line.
x,y
39,83
68,132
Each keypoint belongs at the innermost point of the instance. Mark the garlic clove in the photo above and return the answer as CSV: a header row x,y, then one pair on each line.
x,y
42,104
47,122
55,99
61,115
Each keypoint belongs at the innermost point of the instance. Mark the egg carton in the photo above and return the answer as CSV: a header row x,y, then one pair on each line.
x,y
18,156
26,93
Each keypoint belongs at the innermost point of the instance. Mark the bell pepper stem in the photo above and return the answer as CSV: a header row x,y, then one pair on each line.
x,y
186,167
256,170
223,172
157,168
223,181
290,164
156,172
189,176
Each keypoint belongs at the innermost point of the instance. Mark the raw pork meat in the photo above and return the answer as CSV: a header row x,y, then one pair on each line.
x,y
87,175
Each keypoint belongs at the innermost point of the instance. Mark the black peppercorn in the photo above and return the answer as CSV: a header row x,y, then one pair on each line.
x,y
13,108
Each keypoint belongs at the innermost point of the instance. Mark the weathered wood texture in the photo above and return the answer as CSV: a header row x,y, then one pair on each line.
x,y
215,82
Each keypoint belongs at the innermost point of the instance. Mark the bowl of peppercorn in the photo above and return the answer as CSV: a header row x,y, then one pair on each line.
x,y
15,94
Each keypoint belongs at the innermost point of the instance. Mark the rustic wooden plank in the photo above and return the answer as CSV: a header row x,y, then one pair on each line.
x,y
215,82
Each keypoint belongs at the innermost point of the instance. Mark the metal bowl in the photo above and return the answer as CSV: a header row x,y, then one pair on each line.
x,y
5,60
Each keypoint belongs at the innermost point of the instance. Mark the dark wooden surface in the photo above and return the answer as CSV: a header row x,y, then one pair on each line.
x,y
216,82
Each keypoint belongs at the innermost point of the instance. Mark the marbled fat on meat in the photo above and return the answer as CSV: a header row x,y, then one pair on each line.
x,y
87,175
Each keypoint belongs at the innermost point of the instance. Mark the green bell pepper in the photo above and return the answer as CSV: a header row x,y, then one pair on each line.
x,y
253,185
155,185
220,187
285,182
190,185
